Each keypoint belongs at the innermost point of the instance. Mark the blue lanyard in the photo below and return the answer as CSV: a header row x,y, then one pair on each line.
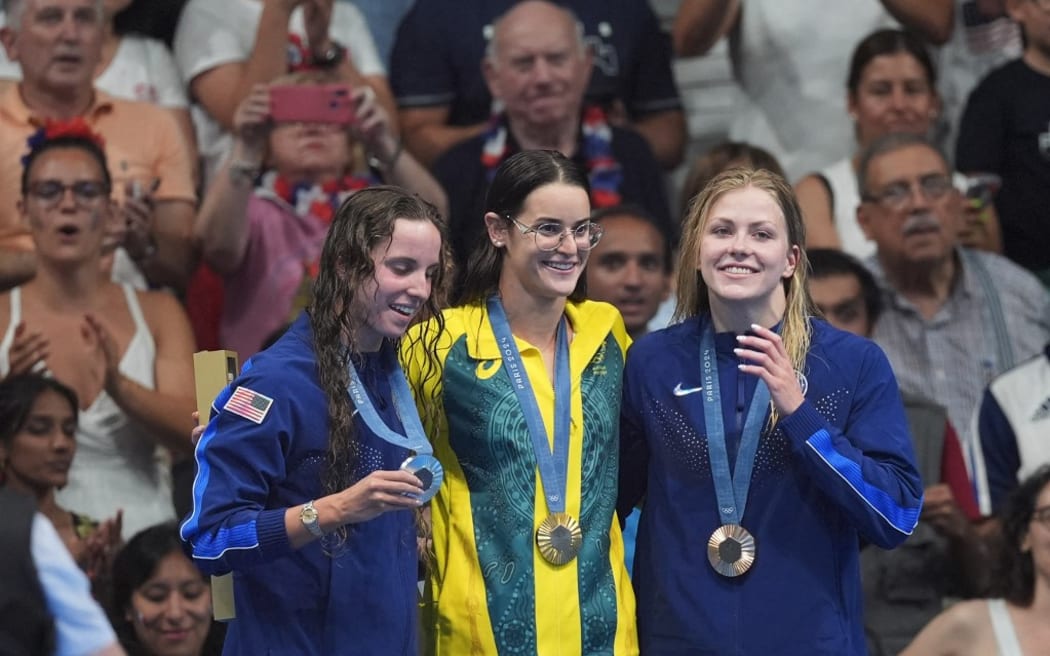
x,y
731,489
553,463
415,438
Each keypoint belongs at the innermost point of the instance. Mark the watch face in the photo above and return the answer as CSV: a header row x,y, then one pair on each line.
x,y
309,514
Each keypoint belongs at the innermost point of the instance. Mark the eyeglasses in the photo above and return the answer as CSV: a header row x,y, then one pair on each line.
x,y
550,235
897,195
1042,515
85,192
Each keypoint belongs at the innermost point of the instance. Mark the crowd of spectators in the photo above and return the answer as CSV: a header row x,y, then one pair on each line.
x,y
171,170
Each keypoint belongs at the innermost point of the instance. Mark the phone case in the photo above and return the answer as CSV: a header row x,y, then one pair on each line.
x,y
312,103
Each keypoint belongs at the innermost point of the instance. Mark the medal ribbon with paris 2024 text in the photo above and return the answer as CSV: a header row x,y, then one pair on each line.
x,y
424,465
731,488
559,536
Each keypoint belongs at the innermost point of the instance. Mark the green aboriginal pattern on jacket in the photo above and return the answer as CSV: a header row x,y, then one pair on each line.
x,y
488,433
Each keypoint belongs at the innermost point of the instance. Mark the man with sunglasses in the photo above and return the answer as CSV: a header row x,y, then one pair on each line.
x,y
954,318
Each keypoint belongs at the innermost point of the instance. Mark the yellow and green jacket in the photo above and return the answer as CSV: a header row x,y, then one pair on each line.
x,y
490,591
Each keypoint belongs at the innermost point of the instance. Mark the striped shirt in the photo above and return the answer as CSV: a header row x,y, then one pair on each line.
x,y
952,357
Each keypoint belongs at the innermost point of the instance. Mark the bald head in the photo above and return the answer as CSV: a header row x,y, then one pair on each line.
x,y
525,16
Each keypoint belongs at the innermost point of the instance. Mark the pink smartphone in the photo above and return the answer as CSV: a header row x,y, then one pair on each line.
x,y
312,103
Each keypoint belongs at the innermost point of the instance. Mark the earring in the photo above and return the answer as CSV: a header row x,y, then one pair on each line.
x,y
497,243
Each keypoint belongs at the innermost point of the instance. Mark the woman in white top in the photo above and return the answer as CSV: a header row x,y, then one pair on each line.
x,y
126,354
1019,623
891,88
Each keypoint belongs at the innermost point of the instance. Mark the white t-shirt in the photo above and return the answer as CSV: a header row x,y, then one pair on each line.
x,y
142,69
212,33
791,59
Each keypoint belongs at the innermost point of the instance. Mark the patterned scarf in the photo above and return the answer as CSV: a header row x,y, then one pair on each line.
x,y
603,171
317,200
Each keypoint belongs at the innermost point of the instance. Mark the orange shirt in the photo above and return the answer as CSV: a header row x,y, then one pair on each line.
x,y
143,143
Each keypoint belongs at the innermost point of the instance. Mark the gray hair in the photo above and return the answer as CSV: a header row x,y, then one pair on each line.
x,y
13,10
492,47
891,143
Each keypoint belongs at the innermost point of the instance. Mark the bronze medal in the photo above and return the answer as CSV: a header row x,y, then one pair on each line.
x,y
559,538
731,550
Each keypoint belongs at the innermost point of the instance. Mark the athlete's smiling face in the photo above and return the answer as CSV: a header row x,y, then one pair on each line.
x,y
544,273
745,254
405,266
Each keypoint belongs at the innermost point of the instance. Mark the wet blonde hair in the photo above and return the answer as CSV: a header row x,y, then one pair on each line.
x,y
691,290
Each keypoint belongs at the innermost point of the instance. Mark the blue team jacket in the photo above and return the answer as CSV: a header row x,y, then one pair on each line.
x,y
837,471
362,601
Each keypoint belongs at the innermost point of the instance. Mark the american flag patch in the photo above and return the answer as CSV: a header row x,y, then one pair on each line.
x,y
248,404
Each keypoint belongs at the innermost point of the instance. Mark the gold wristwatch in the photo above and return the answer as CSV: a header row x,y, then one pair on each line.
x,y
311,520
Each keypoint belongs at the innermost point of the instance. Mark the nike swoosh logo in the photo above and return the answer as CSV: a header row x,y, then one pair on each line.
x,y
685,391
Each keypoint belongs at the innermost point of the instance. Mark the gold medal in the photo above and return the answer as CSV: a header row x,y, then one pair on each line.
x,y
731,550
559,538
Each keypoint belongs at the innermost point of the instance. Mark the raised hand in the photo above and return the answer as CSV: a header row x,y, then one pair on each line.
x,y
136,214
371,125
251,120
767,358
29,351
97,333
101,547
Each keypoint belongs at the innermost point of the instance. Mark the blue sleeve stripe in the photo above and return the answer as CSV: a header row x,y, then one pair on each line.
x,y
207,547
226,539
900,518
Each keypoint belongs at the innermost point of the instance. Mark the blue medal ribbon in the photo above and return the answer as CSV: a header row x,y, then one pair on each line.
x,y
552,462
415,438
730,488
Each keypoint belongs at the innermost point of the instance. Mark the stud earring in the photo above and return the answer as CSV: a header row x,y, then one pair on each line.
x,y
497,243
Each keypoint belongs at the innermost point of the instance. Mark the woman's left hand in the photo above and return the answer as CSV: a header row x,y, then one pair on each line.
x,y
766,358
371,125
137,215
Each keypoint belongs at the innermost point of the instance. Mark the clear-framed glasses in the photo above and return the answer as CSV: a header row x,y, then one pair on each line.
x,y
1042,515
549,235
897,195
85,192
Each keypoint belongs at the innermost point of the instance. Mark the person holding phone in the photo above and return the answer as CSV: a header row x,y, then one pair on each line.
x,y
126,354
768,444
302,146
224,49
306,484
528,555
